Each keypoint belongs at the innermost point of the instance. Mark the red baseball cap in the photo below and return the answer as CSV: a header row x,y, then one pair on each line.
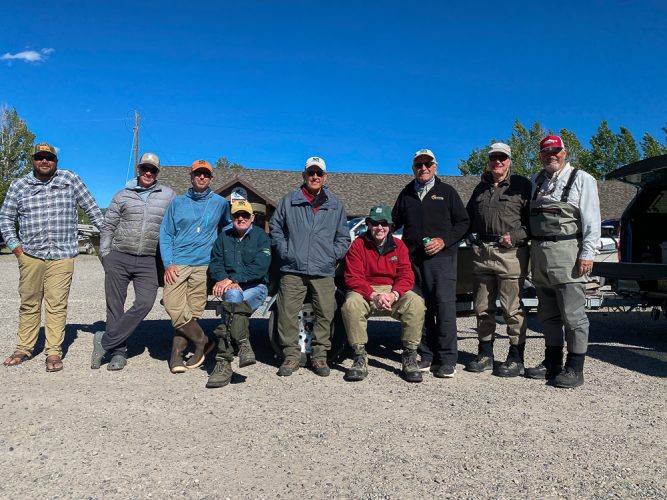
x,y
551,141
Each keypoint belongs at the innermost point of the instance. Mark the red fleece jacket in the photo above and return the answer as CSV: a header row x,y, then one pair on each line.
x,y
364,266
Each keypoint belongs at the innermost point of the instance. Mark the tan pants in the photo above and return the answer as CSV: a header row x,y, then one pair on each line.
x,y
409,310
48,281
186,299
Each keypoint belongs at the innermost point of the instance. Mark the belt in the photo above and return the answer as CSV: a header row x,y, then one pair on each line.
x,y
492,240
558,238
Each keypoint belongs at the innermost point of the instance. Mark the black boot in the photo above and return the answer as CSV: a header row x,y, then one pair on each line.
x,y
484,360
550,367
193,332
178,345
513,365
573,374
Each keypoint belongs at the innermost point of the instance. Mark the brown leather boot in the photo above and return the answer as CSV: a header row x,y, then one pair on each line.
x,y
203,345
177,347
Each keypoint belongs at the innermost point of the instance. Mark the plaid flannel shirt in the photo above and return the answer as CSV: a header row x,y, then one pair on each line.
x,y
46,214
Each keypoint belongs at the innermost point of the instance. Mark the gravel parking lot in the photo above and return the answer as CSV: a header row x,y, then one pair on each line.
x,y
144,432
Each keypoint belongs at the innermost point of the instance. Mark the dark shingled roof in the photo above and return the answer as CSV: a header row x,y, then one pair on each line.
x,y
359,192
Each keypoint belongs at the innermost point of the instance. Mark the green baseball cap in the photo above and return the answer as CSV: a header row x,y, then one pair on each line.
x,y
381,213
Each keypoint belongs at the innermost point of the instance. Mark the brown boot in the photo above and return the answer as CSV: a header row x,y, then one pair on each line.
x,y
203,345
177,347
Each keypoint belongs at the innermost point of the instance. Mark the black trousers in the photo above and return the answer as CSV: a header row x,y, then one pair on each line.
x,y
119,270
435,280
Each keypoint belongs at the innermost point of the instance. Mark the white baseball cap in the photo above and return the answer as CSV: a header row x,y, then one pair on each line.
x,y
315,161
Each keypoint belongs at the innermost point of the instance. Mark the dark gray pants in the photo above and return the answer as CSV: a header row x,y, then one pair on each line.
x,y
119,269
435,280
561,306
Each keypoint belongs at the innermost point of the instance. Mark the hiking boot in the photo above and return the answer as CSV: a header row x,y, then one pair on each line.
x,y
480,364
117,363
359,369
221,374
550,367
445,371
288,367
537,372
193,332
568,378
246,354
98,351
410,367
177,347
510,368
320,367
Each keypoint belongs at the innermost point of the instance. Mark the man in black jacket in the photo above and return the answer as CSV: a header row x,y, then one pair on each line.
x,y
434,220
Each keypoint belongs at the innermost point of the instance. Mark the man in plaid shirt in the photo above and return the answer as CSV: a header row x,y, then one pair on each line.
x,y
43,204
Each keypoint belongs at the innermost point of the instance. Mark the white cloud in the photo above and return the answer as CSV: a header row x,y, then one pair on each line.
x,y
29,56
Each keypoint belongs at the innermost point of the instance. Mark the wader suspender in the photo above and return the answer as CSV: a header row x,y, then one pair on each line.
x,y
566,190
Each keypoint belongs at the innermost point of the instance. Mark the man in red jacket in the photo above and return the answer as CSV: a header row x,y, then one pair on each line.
x,y
379,279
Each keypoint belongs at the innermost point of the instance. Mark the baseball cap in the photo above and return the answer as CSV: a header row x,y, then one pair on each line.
x,y
150,159
315,161
43,147
380,213
551,141
500,147
241,206
426,152
201,164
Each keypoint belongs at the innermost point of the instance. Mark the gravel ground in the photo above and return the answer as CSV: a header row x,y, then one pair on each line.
x,y
144,432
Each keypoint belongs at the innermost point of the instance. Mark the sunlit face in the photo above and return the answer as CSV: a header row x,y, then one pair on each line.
x,y
424,168
499,164
378,230
147,175
44,165
314,178
241,221
201,179
553,159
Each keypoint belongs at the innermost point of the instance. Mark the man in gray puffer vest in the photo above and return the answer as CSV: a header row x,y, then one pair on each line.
x,y
128,245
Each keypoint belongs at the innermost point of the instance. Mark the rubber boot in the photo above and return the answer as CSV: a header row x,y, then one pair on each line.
x,y
193,332
238,325
178,345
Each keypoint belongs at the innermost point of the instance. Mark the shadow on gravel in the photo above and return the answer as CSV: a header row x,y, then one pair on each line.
x,y
71,334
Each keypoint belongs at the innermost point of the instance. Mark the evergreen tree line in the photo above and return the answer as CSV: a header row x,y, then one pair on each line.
x,y
608,150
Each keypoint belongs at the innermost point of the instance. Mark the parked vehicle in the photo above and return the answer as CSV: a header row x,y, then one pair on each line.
x,y
641,270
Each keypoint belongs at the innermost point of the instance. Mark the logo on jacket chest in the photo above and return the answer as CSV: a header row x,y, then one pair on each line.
x,y
435,197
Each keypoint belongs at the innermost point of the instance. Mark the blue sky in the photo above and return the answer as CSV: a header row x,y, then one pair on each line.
x,y
362,84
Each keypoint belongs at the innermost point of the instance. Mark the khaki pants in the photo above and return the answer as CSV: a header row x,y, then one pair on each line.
x,y
186,299
48,281
409,310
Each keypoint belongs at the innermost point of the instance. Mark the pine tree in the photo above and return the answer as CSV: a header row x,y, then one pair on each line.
x,y
16,143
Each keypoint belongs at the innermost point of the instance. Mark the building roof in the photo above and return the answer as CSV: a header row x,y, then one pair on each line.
x,y
359,192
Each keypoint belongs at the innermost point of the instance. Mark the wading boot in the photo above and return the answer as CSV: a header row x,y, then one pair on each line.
x,y
513,365
573,374
484,360
193,332
238,324
410,366
221,374
178,345
359,369
98,351
550,367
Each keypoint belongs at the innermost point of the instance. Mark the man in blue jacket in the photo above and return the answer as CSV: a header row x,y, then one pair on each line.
x,y
239,265
187,234
309,233
128,244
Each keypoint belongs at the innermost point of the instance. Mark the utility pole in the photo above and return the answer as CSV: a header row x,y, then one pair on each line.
x,y
136,140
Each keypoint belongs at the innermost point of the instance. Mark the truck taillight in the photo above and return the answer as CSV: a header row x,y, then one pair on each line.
x,y
618,244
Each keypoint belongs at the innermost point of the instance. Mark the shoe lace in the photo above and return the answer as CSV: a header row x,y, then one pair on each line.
x,y
410,361
359,361
219,367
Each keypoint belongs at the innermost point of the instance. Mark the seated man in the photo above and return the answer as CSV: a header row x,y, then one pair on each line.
x,y
240,266
379,279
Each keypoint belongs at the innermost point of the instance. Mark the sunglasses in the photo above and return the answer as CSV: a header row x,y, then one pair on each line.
x,y
241,215
427,164
319,173
375,223
498,157
47,158
152,170
551,151
199,173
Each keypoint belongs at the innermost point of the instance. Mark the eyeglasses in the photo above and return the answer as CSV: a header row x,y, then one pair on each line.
x,y
199,173
427,164
241,215
319,173
152,170
374,223
47,158
495,158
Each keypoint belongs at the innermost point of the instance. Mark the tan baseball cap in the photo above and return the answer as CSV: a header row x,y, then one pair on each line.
x,y
241,206
43,147
150,159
